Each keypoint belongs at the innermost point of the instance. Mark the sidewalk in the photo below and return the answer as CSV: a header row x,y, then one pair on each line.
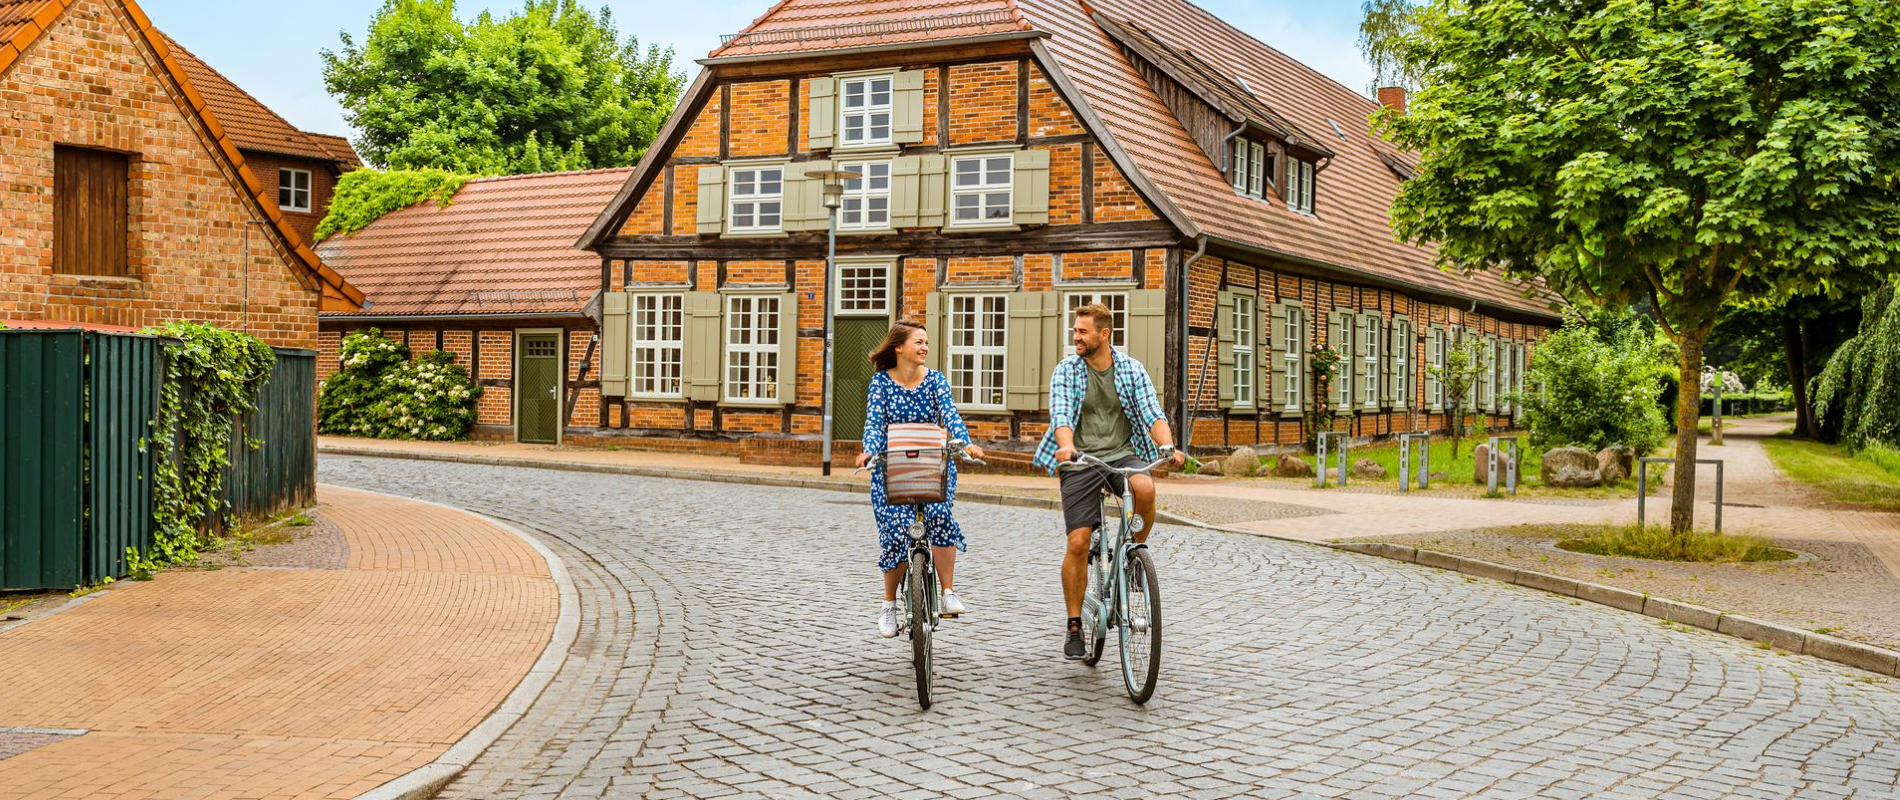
x,y
272,682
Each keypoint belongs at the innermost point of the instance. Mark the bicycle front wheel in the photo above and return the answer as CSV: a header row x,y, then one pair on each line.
x,y
918,597
1141,628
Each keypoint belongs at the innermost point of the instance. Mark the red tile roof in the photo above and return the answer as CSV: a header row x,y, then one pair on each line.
x,y
252,125
23,21
1352,231
802,26
502,246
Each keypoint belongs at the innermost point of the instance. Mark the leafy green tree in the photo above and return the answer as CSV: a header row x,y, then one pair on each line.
x,y
1857,398
1600,386
549,87
1384,24
1697,153
1463,364
1787,343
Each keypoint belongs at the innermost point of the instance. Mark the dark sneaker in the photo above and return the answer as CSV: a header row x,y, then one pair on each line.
x,y
1073,650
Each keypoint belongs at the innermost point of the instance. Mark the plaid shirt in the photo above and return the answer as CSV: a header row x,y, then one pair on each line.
x,y
1070,383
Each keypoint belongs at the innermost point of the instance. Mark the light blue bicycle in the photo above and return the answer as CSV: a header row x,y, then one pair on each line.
x,y
1123,591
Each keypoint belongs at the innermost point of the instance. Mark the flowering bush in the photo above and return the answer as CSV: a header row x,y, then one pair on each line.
x,y
1729,382
1600,386
380,392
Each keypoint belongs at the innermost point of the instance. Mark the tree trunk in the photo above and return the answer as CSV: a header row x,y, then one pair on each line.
x,y
1688,411
1797,376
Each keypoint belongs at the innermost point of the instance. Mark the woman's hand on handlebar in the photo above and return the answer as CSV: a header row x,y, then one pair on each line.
x,y
973,452
863,460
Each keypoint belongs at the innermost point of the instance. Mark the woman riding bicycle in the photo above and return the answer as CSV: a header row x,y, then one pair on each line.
x,y
904,391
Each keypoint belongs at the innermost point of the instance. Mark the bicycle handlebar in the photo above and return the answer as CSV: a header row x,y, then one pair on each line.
x,y
955,446
1082,459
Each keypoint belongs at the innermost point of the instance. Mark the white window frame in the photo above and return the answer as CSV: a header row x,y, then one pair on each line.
x,y
662,351
1242,159
868,111
1348,329
1117,302
1256,176
1401,363
762,381
757,198
1295,335
980,309
1435,356
863,191
1370,355
287,180
1246,316
1299,185
984,191
850,302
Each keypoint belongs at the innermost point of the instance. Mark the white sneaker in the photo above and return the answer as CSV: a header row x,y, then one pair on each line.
x,y
952,605
887,621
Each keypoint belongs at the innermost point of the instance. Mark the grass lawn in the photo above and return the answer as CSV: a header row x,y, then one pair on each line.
x,y
1458,471
1656,542
1869,479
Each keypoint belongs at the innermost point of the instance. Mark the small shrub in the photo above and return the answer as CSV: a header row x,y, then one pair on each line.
x,y
381,393
1600,387
1656,542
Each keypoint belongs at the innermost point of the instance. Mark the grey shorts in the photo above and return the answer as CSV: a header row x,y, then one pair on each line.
x,y
1082,491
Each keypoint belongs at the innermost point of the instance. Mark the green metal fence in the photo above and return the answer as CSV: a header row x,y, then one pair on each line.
x,y
282,471
76,461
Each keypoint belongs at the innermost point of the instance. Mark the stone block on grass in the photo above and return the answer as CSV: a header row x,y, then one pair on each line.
x,y
1241,463
1292,466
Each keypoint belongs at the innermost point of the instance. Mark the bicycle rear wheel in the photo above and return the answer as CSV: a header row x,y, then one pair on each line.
x,y
1141,628
918,596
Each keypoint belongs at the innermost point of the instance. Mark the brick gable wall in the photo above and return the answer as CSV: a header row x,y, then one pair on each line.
x,y
86,82
322,186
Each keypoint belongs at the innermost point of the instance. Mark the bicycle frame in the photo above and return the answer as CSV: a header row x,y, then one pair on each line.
x,y
1113,555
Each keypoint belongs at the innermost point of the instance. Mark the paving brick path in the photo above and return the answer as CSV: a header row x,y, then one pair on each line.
x,y
727,650
252,683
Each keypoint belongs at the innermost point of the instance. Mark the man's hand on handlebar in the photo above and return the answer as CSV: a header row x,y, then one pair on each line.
x,y
1065,455
1175,456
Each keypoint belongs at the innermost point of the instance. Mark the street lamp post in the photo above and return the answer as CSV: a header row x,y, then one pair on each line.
x,y
834,197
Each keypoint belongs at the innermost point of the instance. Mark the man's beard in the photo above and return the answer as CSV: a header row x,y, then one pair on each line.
x,y
1088,352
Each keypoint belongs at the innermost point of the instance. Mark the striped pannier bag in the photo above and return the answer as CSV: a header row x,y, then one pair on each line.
x,y
916,464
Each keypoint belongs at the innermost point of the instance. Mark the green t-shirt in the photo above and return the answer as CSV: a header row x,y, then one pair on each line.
x,y
1102,427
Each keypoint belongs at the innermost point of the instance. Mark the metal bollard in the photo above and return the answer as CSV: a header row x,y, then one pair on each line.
x,y
1424,441
1510,466
1642,487
1340,453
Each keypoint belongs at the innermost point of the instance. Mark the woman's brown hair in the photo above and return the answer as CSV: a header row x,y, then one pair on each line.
x,y
885,356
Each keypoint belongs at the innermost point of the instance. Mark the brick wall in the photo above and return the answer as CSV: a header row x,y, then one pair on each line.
x,y
322,187
86,82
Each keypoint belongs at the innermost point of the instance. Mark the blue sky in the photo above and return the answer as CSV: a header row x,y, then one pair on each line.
x,y
271,48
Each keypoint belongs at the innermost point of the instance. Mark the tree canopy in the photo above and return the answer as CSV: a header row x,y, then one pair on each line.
x,y
1695,153
551,86
1384,25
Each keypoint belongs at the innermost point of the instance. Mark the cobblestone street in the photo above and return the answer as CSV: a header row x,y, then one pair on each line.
x,y
728,649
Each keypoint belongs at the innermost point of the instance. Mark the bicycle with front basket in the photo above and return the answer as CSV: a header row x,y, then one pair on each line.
x,y
918,589
1123,592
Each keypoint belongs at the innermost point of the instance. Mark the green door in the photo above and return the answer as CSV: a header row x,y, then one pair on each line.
x,y
538,389
851,372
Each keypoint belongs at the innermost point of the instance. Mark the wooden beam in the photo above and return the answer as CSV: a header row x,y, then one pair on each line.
x,y
805,246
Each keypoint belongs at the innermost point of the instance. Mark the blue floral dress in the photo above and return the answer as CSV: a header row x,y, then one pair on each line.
x,y
892,404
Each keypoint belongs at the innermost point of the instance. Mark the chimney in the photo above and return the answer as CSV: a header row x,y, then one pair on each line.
x,y
1392,97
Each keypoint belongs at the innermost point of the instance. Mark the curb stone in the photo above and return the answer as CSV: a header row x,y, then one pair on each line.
x,y
1877,660
750,479
425,781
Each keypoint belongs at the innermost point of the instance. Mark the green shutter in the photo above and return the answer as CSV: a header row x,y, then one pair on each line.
x,y
1147,330
788,348
704,345
1029,192
822,111
1305,345
1055,338
1026,376
616,342
907,107
936,327
804,208
712,200
932,190
905,191
1224,348
1276,380
1263,383
1434,339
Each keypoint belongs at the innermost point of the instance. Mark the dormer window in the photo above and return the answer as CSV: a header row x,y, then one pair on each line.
x,y
1298,189
1250,166
866,111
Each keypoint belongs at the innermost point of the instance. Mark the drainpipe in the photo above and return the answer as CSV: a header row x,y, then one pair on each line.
x,y
1187,409
1226,159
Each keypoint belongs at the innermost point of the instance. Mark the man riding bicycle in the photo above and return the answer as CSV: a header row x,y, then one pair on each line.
x,y
1101,402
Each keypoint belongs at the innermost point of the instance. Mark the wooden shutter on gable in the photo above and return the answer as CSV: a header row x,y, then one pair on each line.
x,y
704,346
1147,330
616,343
1224,347
90,212
1026,378
1029,191
933,190
788,349
711,210
907,107
936,326
821,108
